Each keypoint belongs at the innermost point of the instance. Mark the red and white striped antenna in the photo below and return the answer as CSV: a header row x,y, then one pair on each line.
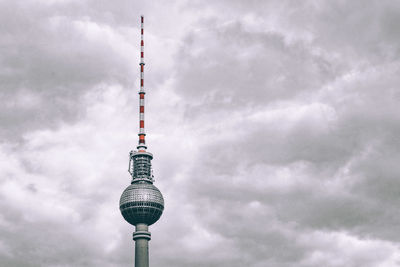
x,y
140,160
142,134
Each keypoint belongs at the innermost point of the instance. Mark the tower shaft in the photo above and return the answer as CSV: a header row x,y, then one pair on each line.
x,y
141,237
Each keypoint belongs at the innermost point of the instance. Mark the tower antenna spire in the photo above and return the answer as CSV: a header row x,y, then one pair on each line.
x,y
140,160
142,143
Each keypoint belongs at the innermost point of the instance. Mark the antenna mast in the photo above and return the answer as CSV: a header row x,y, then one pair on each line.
x,y
140,160
142,134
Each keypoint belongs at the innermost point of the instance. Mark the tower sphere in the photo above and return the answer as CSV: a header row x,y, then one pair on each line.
x,y
141,202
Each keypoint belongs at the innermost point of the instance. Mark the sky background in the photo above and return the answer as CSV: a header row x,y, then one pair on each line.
x,y
275,129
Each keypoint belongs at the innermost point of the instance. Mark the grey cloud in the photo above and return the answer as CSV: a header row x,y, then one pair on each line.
x,y
274,128
236,69
49,60
346,123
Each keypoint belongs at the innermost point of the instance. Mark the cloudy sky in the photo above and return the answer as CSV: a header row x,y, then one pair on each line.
x,y
275,127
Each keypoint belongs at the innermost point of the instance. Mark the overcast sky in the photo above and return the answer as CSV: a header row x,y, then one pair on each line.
x,y
275,129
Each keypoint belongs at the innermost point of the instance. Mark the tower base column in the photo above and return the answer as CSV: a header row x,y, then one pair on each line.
x,y
141,237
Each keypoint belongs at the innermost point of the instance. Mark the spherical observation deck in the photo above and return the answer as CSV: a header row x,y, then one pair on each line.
x,y
141,202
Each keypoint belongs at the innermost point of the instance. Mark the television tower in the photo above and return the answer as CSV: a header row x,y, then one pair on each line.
x,y
141,203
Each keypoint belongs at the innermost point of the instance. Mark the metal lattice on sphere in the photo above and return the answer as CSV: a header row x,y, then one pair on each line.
x,y
141,202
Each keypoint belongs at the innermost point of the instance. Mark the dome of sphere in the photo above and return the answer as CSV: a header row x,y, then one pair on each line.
x,y
141,202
